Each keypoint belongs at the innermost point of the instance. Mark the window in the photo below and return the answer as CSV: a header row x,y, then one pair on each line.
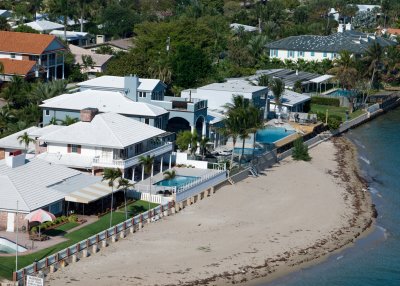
x,y
75,148
147,121
12,55
325,54
271,53
313,54
142,94
291,54
300,54
138,148
47,112
276,53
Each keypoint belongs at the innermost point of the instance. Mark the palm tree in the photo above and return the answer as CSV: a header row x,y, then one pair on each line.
x,y
373,57
147,163
203,145
53,121
231,129
25,139
344,70
277,87
124,184
169,174
193,143
68,120
111,175
263,80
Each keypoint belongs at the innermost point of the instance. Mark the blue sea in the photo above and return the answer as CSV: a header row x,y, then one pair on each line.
x,y
375,259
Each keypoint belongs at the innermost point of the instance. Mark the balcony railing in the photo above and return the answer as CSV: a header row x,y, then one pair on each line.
x,y
122,164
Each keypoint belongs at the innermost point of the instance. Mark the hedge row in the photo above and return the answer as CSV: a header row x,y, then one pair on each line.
x,y
325,101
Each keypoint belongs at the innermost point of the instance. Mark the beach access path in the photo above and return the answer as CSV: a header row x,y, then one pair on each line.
x,y
261,227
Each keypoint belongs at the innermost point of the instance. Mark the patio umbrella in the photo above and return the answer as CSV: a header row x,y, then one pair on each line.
x,y
40,216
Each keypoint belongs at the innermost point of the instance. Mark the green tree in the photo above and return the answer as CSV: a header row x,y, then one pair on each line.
x,y
263,80
118,21
344,70
111,175
25,29
125,185
147,163
277,87
183,140
373,57
87,62
68,120
25,139
203,146
4,26
300,150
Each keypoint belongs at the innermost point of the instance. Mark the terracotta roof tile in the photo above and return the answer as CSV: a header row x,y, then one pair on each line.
x,y
17,67
393,31
25,43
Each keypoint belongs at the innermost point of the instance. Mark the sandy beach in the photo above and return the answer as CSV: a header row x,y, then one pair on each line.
x,y
294,214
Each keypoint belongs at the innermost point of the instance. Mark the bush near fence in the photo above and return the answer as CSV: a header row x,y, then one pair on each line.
x,y
325,101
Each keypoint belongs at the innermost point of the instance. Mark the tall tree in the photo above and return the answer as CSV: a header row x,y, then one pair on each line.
x,y
373,57
25,139
111,175
344,70
277,87
125,185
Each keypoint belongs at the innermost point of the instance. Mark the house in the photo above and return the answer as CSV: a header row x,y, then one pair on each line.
x,y
99,61
106,140
120,45
318,48
290,102
43,26
184,113
36,184
11,68
73,37
27,53
104,101
219,94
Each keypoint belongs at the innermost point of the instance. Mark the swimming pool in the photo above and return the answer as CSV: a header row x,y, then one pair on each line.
x,y
248,151
271,134
7,246
342,92
176,182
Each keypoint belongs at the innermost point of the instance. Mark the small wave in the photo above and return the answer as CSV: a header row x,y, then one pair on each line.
x,y
374,191
365,160
339,257
383,231
358,143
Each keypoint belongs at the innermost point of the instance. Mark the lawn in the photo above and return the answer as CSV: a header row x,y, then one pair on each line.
x,y
334,110
62,229
7,264
137,207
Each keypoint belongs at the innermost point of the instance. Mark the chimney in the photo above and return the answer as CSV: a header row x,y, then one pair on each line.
x,y
88,114
131,84
15,159
349,27
340,28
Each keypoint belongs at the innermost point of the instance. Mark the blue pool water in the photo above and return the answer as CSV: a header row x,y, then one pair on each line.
x,y
176,182
270,135
375,259
342,92
248,151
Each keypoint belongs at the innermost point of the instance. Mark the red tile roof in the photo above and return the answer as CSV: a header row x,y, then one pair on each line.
x,y
393,31
24,43
17,67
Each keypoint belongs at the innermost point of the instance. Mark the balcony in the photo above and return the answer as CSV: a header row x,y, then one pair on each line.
x,y
123,164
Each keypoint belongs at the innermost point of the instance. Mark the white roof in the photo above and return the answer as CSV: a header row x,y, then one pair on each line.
x,y
214,117
31,184
247,28
109,130
321,78
104,101
234,86
70,34
12,142
44,25
291,98
71,160
117,82
44,130
99,59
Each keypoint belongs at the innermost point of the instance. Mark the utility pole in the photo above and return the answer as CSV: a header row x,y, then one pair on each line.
x,y
16,242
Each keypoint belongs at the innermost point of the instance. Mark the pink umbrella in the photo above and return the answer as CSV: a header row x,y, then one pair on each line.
x,y
40,216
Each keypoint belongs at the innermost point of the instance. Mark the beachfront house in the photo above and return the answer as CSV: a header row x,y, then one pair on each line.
x,y
105,140
318,48
31,55
290,102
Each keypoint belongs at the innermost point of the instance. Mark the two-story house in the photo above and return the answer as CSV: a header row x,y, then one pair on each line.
x,y
105,140
31,55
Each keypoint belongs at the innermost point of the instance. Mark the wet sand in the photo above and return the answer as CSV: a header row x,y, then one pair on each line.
x,y
295,214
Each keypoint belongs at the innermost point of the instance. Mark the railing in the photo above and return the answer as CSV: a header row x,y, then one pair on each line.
x,y
62,255
119,163
198,181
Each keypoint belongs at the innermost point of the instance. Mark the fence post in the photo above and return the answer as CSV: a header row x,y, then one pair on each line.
x,y
15,276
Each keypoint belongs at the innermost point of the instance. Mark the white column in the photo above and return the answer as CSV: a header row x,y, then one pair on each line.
x,y
142,172
161,164
152,169
55,68
192,127
63,57
133,173
170,161
204,129
48,66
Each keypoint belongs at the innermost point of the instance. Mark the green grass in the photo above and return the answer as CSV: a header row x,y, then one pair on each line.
x,y
135,208
7,264
62,229
333,110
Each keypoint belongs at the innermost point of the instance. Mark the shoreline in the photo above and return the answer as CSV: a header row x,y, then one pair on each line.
x,y
292,248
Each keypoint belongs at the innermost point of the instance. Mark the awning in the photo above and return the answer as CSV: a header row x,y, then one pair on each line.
x,y
321,78
90,193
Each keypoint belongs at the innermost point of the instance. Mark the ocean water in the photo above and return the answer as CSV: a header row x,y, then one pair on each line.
x,y
375,259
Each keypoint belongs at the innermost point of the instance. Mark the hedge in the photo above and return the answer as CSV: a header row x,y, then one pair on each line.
x,y
325,101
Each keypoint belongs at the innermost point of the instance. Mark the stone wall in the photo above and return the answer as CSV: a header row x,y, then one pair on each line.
x,y
22,223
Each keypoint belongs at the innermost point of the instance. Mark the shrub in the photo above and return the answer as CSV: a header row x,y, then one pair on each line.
x,y
63,218
333,123
34,229
325,101
73,218
48,224
300,150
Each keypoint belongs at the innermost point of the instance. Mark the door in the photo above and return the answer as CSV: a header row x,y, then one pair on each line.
x,y
10,222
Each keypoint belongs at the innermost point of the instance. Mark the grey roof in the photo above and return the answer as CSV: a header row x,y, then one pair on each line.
x,y
104,101
31,184
291,98
117,82
289,77
98,59
353,41
105,130
44,25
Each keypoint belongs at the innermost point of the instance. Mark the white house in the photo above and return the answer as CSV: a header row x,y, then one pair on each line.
x,y
43,26
73,37
219,94
99,61
318,48
106,140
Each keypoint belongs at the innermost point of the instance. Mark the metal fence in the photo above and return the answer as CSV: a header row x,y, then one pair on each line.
x,y
63,255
